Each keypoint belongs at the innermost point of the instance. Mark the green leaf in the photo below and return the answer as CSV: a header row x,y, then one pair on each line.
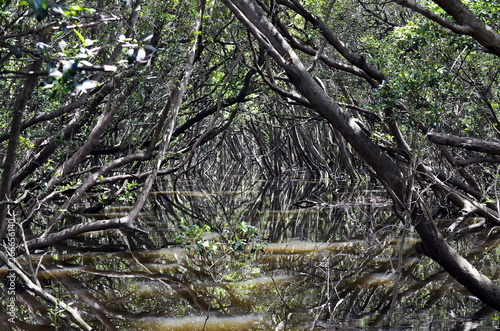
x,y
75,7
80,36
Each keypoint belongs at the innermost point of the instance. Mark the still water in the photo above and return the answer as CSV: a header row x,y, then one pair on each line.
x,y
245,254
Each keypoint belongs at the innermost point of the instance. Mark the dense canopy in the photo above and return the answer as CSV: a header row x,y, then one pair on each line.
x,y
105,102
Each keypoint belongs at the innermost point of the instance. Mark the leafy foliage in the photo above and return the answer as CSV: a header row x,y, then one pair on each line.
x,y
240,242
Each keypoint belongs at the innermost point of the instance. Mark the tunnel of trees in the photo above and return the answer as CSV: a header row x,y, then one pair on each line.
x,y
104,100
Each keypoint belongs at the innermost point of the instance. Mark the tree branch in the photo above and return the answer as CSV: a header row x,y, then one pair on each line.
x,y
460,29
472,144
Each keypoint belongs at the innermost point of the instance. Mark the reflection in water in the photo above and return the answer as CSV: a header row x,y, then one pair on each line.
x,y
331,262
241,322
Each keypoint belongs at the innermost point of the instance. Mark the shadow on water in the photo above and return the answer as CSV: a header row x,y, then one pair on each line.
x,y
242,254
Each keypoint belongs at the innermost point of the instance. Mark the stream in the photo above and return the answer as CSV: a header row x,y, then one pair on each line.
x,y
250,254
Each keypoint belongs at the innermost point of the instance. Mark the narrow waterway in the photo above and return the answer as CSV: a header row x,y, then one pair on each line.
x,y
246,254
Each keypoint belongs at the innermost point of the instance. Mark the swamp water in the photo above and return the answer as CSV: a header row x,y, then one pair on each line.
x,y
269,255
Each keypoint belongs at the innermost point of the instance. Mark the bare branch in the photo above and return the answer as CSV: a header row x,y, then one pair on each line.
x,y
57,237
472,144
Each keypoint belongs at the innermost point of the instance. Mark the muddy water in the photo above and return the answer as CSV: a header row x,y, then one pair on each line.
x,y
323,256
